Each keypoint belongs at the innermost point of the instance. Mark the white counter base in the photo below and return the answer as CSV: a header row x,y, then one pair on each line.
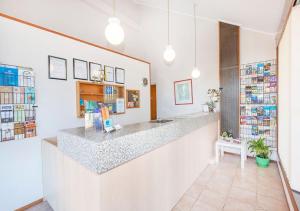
x,y
154,181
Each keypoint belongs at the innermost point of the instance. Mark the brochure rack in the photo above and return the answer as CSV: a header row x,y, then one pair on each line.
x,y
258,102
17,103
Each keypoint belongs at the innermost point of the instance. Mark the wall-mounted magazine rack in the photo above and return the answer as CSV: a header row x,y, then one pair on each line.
x,y
17,103
258,102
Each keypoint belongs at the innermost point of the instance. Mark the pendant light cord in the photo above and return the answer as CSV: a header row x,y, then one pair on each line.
x,y
168,22
114,8
195,24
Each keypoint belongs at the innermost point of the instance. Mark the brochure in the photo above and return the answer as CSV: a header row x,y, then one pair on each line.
x,y
8,76
6,113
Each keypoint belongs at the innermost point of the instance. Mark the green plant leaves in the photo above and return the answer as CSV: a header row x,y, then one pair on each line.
x,y
259,148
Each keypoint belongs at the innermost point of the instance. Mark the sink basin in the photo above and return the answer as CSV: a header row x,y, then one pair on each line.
x,y
161,121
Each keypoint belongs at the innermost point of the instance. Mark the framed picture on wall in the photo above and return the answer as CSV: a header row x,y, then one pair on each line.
x,y
133,98
119,75
96,72
109,75
57,68
183,92
80,69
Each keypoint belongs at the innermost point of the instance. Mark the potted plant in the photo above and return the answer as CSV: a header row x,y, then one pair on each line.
x,y
261,151
214,97
227,135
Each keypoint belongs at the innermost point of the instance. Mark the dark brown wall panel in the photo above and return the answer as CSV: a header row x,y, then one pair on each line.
x,y
229,78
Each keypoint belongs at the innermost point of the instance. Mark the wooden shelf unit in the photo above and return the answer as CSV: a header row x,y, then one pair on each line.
x,y
96,92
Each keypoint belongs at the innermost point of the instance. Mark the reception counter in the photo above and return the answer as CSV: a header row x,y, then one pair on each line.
x,y
143,166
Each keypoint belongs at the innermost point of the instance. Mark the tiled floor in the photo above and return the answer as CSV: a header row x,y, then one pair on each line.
x,y
226,187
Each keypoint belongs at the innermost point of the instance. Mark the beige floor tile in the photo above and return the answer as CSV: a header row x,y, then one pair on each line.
x,y
271,192
212,198
235,205
250,163
269,172
250,176
176,209
243,195
228,187
219,177
246,176
201,206
233,159
245,183
208,171
269,182
227,165
271,204
220,188
185,203
203,180
195,190
230,172
206,174
220,183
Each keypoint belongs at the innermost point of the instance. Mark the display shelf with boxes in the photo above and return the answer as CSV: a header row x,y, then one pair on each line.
x,y
258,102
89,94
17,103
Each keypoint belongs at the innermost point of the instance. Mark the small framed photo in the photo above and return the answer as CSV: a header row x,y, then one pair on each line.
x,y
80,69
183,92
133,98
57,68
96,72
119,75
109,75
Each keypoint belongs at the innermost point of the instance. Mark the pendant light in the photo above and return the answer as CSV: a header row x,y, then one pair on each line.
x,y
114,32
195,71
169,53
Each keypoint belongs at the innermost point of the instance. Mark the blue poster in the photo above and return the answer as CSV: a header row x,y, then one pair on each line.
x,y
8,76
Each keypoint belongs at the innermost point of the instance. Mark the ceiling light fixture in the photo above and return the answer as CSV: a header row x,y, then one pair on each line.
x,y
169,53
195,71
114,32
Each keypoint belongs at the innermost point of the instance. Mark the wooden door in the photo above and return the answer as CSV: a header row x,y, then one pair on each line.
x,y
153,102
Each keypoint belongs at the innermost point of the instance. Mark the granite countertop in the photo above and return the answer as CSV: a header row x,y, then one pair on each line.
x,y
101,152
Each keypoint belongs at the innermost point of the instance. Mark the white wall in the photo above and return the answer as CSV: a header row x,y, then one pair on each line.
x,y
256,46
284,101
295,100
85,19
56,100
154,26
289,104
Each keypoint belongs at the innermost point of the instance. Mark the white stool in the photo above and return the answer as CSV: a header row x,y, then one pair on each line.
x,y
222,145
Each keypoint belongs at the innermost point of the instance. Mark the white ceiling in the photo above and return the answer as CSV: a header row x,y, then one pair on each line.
x,y
260,15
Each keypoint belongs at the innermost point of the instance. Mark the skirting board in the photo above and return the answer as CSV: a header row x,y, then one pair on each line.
x,y
287,188
32,204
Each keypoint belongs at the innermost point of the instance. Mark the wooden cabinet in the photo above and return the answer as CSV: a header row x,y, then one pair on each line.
x,y
104,93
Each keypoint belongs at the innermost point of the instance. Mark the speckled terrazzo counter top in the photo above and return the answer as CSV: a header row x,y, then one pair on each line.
x,y
101,152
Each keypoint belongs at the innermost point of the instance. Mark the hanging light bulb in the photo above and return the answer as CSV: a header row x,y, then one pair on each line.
x,y
169,53
114,32
195,72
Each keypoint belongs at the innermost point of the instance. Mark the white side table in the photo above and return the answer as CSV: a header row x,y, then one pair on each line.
x,y
241,146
